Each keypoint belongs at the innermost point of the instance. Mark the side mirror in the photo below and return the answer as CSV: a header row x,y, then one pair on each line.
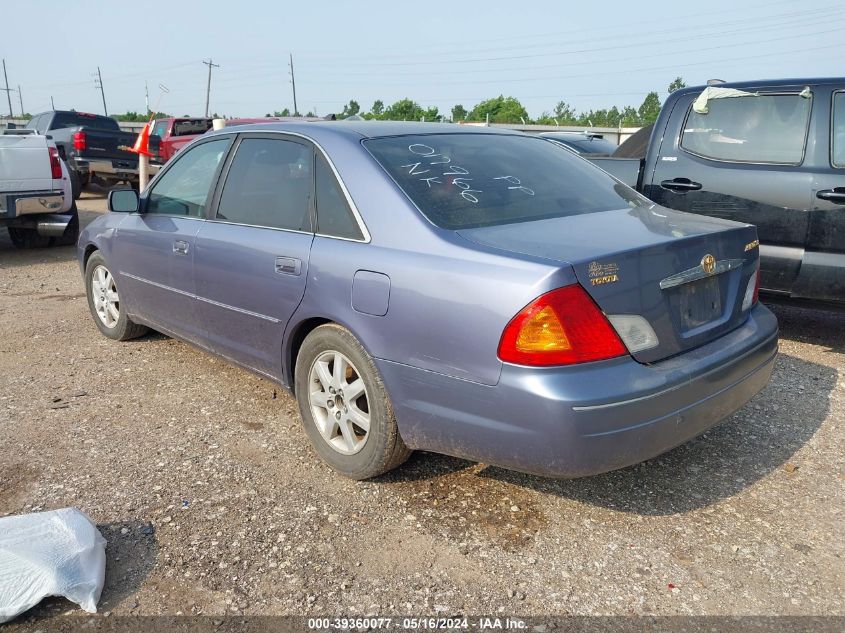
x,y
123,201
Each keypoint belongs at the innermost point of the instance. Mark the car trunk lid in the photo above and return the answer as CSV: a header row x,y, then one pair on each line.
x,y
650,262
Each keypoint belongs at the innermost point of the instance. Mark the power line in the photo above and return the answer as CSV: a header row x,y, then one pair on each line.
x,y
208,85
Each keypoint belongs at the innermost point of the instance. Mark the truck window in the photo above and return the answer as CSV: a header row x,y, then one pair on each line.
x,y
191,126
76,119
838,130
754,129
160,129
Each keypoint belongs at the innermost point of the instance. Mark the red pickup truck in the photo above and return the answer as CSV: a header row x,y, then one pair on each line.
x,y
175,133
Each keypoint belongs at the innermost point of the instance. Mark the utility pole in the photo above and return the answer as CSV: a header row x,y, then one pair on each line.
x,y
293,83
20,97
208,87
99,84
7,89
147,97
52,105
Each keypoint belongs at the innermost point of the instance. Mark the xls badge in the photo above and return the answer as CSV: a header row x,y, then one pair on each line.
x,y
708,264
752,245
601,274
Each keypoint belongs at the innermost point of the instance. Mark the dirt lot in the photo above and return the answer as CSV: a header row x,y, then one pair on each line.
x,y
212,501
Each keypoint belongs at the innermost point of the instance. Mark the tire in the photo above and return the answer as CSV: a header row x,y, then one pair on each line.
x,y
121,328
367,454
28,238
75,183
71,234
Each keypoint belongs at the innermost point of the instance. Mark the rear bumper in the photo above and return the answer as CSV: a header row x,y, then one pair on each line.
x,y
108,169
588,419
32,202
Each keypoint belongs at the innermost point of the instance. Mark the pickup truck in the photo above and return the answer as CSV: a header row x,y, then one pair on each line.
x,y
174,133
769,153
94,147
36,201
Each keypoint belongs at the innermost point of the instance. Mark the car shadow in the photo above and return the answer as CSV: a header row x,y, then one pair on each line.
x,y
759,439
131,553
822,327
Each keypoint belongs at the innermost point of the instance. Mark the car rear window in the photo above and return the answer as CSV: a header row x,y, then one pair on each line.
x,y
461,181
590,145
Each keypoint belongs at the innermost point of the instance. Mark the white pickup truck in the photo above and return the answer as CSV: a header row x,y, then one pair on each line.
x,y
36,202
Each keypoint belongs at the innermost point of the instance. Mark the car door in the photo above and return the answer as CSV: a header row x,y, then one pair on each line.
x,y
743,160
252,255
823,270
156,244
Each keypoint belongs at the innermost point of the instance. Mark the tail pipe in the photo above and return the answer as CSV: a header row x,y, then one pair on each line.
x,y
52,225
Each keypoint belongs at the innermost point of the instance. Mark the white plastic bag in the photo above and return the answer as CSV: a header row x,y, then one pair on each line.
x,y
57,553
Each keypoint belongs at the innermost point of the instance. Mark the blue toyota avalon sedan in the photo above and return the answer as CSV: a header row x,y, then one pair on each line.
x,y
467,291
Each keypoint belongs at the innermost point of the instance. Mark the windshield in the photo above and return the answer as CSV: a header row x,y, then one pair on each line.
x,y
461,181
588,145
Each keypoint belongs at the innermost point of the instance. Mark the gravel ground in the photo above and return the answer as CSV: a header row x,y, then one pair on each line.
x,y
212,502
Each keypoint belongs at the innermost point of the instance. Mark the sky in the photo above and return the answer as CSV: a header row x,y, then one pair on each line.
x,y
591,55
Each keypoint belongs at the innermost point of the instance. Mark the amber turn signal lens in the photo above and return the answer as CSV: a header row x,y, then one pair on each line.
x,y
542,332
561,327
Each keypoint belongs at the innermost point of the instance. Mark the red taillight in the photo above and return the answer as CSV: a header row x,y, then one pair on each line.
x,y
561,327
55,165
80,143
756,284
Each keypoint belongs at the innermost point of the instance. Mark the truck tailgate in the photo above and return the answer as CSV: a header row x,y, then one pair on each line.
x,y
108,144
24,164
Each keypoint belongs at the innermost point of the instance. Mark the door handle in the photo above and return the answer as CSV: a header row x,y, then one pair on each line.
x,y
836,196
681,184
288,266
180,247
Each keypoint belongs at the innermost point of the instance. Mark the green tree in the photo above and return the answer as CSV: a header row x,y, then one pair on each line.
x,y
677,84
649,109
285,112
350,109
378,108
406,110
459,113
501,109
565,113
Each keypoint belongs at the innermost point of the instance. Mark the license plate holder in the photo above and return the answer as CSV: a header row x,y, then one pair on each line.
x,y
700,303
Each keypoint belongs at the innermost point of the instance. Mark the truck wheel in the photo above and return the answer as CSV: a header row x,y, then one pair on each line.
x,y
75,183
28,238
104,302
71,234
344,405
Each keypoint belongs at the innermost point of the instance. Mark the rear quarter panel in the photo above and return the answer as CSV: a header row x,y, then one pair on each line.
x,y
449,299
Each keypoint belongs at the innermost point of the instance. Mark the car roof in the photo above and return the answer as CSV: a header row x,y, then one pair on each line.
x,y
769,83
366,129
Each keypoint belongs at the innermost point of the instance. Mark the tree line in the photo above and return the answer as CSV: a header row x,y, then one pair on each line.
x,y
504,109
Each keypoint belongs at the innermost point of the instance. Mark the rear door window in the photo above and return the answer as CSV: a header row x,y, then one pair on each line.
x,y
838,130
764,128
269,185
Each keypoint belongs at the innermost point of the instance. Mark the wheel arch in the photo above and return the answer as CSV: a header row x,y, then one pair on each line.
x,y
297,336
90,249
